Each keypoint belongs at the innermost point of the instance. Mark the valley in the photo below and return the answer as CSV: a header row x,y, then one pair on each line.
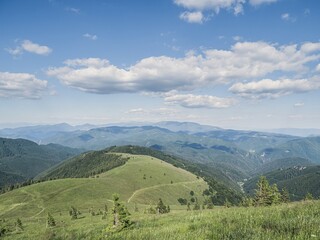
x,y
204,173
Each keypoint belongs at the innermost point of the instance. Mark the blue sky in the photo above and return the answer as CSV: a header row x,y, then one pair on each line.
x,y
243,64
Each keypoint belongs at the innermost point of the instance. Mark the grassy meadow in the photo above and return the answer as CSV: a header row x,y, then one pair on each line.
x,y
140,182
300,220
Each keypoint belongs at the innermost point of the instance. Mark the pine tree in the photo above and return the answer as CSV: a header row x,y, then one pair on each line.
x,y
262,197
120,213
308,197
50,221
227,204
73,213
247,202
18,224
161,208
275,196
285,197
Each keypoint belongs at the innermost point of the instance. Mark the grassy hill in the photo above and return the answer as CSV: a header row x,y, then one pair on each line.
x,y
91,163
26,159
234,163
299,180
141,181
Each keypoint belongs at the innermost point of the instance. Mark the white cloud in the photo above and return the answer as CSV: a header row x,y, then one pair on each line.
x,y
21,85
259,2
162,111
198,101
287,17
74,10
192,17
89,36
246,60
35,48
214,5
199,6
298,104
268,88
28,46
318,68
237,38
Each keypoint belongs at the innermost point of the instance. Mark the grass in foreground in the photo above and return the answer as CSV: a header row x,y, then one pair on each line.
x,y
300,220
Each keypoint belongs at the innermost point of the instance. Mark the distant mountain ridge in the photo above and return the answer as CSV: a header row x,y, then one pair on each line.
x,y
234,155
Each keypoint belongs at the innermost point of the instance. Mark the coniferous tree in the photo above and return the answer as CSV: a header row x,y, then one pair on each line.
x,y
285,197
247,202
275,196
161,208
262,197
73,213
308,197
120,213
227,204
50,221
18,224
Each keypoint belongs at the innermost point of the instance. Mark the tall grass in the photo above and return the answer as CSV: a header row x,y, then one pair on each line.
x,y
300,220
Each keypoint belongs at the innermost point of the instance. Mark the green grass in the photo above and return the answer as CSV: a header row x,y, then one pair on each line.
x,y
31,204
299,221
140,182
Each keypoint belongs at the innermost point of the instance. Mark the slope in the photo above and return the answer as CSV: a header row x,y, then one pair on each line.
x,y
140,173
234,163
282,163
308,148
299,180
27,159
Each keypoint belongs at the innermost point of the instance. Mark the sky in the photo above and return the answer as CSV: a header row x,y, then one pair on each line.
x,y
241,64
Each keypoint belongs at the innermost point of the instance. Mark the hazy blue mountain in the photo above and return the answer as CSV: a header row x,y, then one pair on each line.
x,y
249,140
39,133
308,148
186,127
282,163
301,132
234,163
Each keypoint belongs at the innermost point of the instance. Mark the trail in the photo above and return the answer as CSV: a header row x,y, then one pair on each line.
x,y
36,199
161,185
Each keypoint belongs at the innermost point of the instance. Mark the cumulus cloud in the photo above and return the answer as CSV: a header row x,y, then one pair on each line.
x,y
198,101
246,60
197,7
21,85
268,88
192,17
28,46
214,5
259,2
89,36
